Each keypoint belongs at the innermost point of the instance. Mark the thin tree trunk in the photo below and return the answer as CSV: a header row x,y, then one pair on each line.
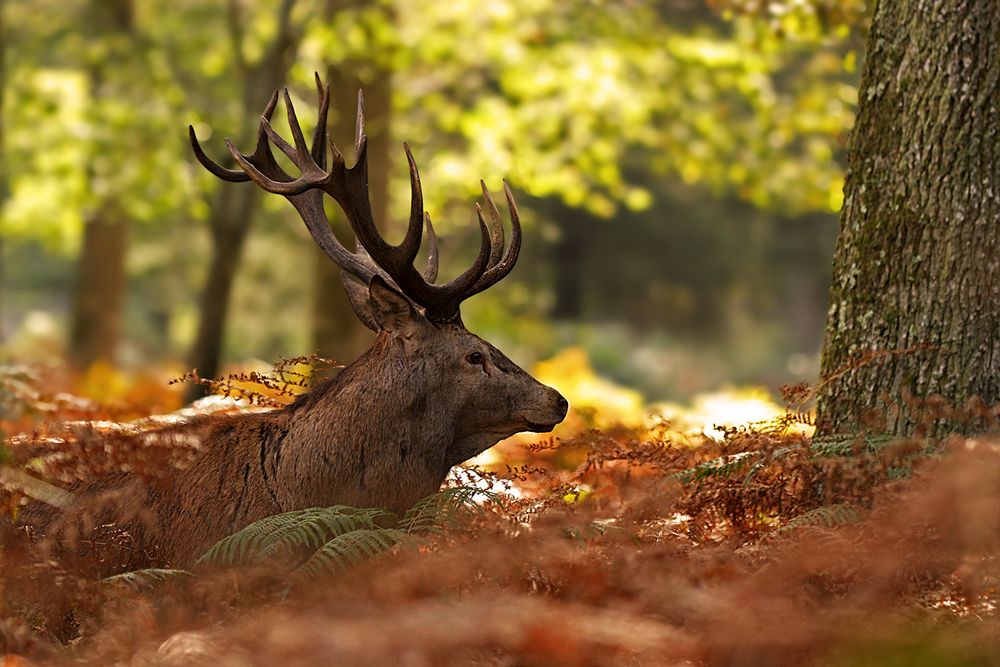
x,y
235,204
100,288
916,288
567,257
802,244
233,211
3,158
100,281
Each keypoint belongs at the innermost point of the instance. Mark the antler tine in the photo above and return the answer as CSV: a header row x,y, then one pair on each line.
x,y
304,157
278,140
447,297
359,124
431,269
496,246
217,170
338,158
500,270
263,149
411,242
319,134
287,188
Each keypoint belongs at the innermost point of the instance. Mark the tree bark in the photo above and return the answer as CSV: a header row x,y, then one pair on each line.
x,y
915,302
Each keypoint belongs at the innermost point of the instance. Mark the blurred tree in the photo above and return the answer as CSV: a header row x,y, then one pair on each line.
x,y
87,136
564,99
336,331
917,261
3,157
234,207
100,276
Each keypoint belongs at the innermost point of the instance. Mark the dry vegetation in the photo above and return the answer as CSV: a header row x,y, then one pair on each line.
x,y
614,546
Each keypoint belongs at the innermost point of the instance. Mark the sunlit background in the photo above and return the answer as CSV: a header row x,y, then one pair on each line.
x,y
678,165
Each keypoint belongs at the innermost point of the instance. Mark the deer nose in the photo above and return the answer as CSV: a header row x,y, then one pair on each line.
x,y
562,405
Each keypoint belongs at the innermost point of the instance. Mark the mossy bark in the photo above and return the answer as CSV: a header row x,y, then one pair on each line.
x,y
915,301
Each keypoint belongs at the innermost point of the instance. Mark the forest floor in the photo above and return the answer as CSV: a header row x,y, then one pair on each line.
x,y
609,545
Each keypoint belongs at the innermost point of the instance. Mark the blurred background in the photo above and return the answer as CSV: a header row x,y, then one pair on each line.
x,y
678,165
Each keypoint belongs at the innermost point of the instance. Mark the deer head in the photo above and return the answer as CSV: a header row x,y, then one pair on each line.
x,y
474,394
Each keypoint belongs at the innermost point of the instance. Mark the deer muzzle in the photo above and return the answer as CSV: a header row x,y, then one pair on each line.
x,y
550,412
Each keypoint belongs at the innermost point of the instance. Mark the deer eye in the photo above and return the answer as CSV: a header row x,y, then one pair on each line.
x,y
475,358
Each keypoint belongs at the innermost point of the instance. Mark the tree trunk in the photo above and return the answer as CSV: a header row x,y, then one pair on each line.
x,y
915,302
100,282
337,333
234,206
3,158
100,288
567,259
231,221
801,245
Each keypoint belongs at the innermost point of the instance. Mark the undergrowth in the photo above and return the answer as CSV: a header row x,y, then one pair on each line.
x,y
617,546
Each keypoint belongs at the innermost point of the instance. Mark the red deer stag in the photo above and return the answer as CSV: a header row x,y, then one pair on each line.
x,y
384,432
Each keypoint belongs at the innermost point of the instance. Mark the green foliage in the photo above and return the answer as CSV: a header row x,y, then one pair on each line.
x,y
555,95
327,539
282,535
86,122
561,96
829,516
722,467
446,510
851,443
352,548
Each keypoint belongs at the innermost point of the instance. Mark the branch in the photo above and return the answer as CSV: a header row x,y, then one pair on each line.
x,y
235,25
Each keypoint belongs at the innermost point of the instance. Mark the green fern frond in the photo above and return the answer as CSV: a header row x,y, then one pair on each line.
x,y
723,466
829,516
445,510
145,578
334,538
285,533
850,444
351,549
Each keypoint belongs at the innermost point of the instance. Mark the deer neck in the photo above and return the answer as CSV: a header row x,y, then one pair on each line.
x,y
370,437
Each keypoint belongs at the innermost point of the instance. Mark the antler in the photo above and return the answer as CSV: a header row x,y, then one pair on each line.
x,y
349,188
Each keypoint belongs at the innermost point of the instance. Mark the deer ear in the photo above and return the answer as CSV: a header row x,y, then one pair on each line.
x,y
357,294
390,310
